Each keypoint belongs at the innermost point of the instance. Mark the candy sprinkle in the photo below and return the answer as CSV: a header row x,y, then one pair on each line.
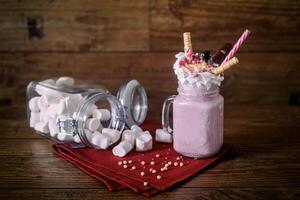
x,y
169,163
154,171
124,162
133,167
152,163
158,177
181,164
142,173
157,155
175,164
143,162
120,163
125,166
145,183
129,161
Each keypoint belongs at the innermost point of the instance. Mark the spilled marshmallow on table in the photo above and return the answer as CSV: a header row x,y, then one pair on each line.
x,y
100,140
112,133
122,148
164,136
144,141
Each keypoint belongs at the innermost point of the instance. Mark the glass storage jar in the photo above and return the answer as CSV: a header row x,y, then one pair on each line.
x,y
58,106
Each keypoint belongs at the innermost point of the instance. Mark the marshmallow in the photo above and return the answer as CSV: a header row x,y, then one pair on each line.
x,y
53,128
34,119
42,103
48,81
163,136
100,140
129,136
101,114
92,124
136,128
41,127
112,133
44,117
65,81
144,142
77,139
88,134
49,93
100,128
91,109
33,104
66,137
122,149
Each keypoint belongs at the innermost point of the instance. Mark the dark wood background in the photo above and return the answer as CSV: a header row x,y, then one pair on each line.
x,y
109,42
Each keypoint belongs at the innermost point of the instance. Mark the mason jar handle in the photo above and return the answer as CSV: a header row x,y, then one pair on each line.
x,y
165,118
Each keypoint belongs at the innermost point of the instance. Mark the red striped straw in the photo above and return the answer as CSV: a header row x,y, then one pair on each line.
x,y
237,45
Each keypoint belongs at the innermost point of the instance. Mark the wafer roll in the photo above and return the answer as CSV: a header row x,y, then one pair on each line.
x,y
187,41
227,65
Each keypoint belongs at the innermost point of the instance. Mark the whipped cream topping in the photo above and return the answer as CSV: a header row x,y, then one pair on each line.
x,y
202,80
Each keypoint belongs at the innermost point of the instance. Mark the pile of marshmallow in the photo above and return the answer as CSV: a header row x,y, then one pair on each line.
x,y
51,104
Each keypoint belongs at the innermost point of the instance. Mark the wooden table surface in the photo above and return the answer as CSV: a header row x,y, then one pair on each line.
x,y
265,164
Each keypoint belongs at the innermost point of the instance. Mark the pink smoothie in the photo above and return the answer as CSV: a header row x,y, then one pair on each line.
x,y
198,122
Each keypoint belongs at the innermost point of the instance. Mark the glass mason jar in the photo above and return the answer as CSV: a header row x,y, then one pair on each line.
x,y
197,121
73,105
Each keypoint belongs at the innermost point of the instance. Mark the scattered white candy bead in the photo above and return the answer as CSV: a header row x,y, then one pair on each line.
x,y
53,128
129,161
34,119
145,183
101,114
143,162
33,104
169,163
133,167
144,142
125,166
152,163
112,133
92,124
158,177
177,158
124,162
120,163
157,155
142,173
163,136
65,81
42,127
181,164
175,164
162,169
153,171
122,149
100,140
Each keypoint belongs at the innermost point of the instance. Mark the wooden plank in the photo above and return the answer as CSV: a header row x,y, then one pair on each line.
x,y
174,194
252,82
274,25
74,26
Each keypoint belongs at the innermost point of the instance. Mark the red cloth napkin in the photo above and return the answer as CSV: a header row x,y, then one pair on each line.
x,y
102,165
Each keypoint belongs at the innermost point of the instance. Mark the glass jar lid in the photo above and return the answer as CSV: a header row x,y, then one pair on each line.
x,y
133,97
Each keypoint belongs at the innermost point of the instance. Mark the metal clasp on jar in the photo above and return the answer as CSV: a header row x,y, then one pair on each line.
x,y
67,125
